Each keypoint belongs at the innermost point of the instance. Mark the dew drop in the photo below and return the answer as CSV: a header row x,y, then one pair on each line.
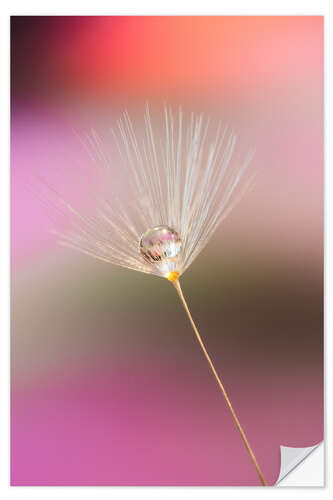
x,y
160,244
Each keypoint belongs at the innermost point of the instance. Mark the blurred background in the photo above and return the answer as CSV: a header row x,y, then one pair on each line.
x,y
109,385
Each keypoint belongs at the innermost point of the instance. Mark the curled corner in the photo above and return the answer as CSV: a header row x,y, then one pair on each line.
x,y
291,458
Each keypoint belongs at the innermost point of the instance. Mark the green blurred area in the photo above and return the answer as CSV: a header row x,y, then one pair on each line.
x,y
71,307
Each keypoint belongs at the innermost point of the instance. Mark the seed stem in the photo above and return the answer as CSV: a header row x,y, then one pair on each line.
x,y
239,427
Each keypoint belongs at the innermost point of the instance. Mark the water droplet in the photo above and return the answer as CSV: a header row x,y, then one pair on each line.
x,y
161,245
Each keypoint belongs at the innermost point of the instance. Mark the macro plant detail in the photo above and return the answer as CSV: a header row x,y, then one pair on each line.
x,y
183,180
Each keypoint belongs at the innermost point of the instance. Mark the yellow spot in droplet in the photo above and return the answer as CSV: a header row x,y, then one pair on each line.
x,y
172,276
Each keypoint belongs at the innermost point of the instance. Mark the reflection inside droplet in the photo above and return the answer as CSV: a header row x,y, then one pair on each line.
x,y
160,244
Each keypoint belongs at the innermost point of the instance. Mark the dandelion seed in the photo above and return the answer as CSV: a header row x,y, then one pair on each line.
x,y
183,185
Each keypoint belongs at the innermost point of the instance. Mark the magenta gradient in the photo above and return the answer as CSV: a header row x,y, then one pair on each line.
x,y
108,385
138,424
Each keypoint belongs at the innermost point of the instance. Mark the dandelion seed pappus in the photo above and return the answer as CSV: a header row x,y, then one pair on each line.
x,y
185,182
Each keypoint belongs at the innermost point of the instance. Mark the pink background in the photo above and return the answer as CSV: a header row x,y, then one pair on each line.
x,y
109,386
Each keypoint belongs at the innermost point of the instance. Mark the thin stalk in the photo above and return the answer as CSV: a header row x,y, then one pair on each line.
x,y
239,427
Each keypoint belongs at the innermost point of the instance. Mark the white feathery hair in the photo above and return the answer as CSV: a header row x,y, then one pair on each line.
x,y
181,180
